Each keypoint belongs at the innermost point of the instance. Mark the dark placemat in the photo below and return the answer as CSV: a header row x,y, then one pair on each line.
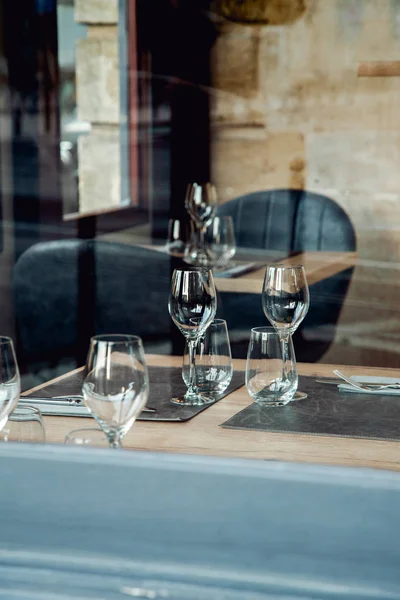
x,y
165,383
326,411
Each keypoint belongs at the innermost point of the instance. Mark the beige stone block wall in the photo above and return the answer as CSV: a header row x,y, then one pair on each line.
x,y
98,79
248,160
299,81
98,101
290,111
99,164
96,11
273,12
236,95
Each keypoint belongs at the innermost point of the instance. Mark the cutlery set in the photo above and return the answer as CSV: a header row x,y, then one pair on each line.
x,y
365,387
67,400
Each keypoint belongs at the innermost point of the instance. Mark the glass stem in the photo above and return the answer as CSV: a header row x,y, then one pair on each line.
x,y
114,439
202,232
192,387
285,354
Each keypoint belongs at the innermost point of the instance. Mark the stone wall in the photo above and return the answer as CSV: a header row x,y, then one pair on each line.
x,y
290,111
98,102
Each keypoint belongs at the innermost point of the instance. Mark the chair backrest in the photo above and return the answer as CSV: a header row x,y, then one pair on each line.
x,y
289,220
129,286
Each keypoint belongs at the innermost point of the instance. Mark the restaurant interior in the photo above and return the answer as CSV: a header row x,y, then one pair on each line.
x,y
199,307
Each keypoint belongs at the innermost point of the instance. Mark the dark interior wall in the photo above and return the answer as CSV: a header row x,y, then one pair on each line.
x,y
177,47
30,41
7,240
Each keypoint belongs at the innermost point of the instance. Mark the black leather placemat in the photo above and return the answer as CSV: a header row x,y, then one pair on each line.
x,y
326,411
165,383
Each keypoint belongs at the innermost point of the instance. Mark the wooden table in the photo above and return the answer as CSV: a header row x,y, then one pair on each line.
x,y
317,265
202,434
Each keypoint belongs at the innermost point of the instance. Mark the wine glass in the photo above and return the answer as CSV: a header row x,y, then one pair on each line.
x,y
10,383
221,241
116,383
25,424
192,305
214,368
88,436
178,237
270,379
285,301
200,202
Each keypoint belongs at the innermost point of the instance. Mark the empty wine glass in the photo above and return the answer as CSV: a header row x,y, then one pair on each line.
x,y
10,384
116,383
192,305
213,361
88,436
285,300
285,297
25,424
271,378
178,237
220,238
200,202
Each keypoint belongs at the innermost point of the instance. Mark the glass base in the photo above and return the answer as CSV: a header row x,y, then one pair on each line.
x,y
299,396
199,258
193,400
282,401
268,404
87,436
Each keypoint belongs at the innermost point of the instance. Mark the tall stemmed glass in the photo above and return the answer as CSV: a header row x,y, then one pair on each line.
x,y
201,202
221,242
192,306
116,383
10,383
285,301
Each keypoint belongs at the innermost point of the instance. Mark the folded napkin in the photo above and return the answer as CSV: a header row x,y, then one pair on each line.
x,y
53,409
369,379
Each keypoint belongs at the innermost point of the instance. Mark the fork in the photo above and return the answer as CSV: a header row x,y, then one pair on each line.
x,y
366,387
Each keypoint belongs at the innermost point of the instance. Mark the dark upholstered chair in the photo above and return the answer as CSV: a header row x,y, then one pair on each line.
x,y
66,290
290,221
